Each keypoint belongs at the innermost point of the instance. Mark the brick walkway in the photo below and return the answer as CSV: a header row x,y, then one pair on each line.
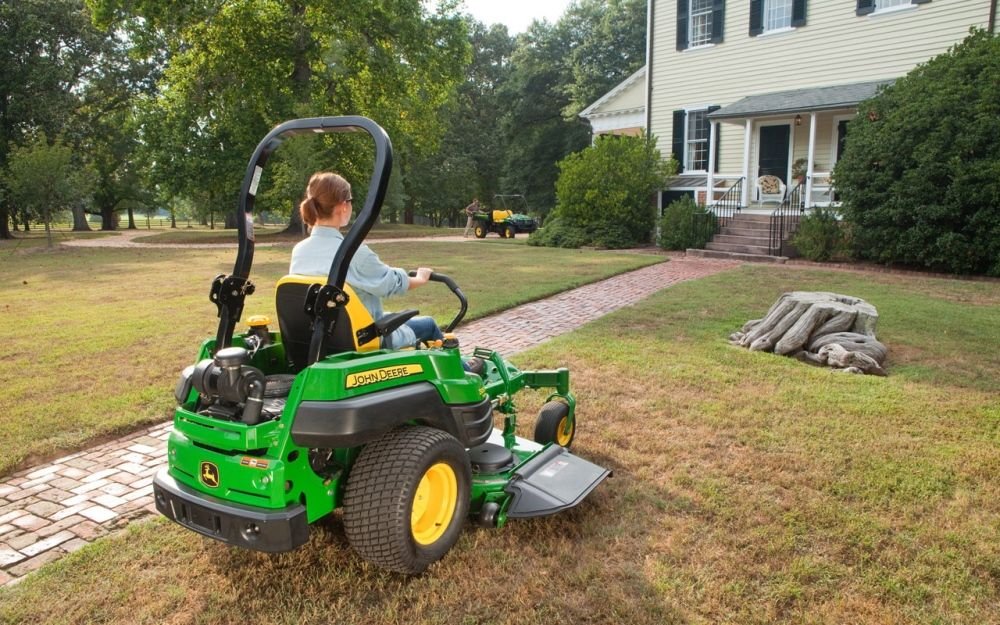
x,y
51,510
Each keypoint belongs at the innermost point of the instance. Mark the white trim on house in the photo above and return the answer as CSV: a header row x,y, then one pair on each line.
x,y
617,121
758,124
588,112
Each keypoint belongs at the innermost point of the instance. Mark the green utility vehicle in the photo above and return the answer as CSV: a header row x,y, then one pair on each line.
x,y
508,220
275,430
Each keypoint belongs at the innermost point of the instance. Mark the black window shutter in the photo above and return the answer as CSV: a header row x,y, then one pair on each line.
x,y
678,137
682,24
799,13
756,17
718,135
718,20
919,1
865,7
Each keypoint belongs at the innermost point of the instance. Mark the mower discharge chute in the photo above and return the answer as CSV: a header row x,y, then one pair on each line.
x,y
274,430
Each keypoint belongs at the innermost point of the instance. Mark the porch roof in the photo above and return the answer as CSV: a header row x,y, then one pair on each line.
x,y
800,100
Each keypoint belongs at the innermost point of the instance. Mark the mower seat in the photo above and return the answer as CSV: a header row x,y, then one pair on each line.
x,y
296,325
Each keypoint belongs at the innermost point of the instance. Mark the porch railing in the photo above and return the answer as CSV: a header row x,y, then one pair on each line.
x,y
785,219
727,206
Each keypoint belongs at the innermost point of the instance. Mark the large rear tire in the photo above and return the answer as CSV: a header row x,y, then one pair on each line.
x,y
508,232
407,498
480,230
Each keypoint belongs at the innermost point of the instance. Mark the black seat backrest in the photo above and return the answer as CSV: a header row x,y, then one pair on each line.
x,y
296,325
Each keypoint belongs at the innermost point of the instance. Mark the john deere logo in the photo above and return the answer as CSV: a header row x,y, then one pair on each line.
x,y
209,475
384,374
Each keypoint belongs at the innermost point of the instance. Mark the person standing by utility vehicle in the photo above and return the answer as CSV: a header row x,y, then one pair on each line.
x,y
470,212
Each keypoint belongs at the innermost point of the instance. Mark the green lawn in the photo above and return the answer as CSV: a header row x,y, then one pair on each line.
x,y
274,234
748,488
95,338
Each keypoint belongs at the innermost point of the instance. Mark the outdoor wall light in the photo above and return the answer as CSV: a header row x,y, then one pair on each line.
x,y
798,120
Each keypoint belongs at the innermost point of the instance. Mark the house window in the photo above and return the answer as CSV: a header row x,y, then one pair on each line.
x,y
696,140
864,7
700,23
777,14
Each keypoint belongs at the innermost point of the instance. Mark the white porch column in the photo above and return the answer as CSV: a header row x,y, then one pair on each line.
x,y
811,159
713,128
748,124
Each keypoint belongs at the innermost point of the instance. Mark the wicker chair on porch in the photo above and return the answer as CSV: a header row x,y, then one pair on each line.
x,y
770,189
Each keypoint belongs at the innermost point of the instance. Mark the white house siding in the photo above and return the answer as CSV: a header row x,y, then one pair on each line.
x,y
834,47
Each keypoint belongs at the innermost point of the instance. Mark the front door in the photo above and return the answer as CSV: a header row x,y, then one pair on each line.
x,y
773,159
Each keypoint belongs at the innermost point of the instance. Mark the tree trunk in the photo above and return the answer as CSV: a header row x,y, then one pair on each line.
x,y
108,218
4,218
131,220
295,225
48,228
80,220
818,327
24,220
173,219
230,220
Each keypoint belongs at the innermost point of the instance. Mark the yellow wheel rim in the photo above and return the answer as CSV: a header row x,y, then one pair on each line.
x,y
434,503
479,232
564,431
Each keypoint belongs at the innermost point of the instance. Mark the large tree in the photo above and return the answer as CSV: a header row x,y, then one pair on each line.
x,y
47,47
469,160
237,68
556,71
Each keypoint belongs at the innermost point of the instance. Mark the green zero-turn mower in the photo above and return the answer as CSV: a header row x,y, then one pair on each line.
x,y
275,430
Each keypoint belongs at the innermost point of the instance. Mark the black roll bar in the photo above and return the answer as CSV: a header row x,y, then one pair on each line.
x,y
229,292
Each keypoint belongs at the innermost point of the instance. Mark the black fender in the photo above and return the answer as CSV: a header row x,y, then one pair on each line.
x,y
352,422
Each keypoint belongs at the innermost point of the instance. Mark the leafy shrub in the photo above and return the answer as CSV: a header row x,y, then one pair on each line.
x,y
685,225
820,236
604,192
557,233
920,175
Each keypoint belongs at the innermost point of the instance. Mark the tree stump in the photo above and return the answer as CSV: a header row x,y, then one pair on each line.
x,y
818,327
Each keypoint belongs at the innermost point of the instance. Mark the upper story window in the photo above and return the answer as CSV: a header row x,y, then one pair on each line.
x,y
864,7
699,22
776,15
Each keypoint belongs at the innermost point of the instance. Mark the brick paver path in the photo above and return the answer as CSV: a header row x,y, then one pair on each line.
x,y
54,509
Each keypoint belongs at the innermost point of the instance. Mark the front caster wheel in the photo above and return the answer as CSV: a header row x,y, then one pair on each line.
x,y
407,497
554,424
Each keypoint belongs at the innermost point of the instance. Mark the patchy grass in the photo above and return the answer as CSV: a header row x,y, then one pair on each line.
x,y
94,338
37,240
275,234
748,488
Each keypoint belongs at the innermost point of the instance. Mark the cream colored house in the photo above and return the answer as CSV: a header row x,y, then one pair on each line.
x,y
621,111
745,88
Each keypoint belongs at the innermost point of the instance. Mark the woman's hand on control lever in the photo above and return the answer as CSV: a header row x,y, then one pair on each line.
x,y
422,277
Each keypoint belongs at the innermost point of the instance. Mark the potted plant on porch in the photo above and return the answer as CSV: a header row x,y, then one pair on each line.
x,y
799,168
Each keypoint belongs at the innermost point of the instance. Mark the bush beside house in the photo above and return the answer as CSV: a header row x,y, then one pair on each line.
x,y
604,195
920,175
685,225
